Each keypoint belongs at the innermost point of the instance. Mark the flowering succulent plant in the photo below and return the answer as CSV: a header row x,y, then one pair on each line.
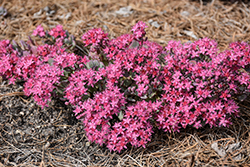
x,y
192,85
44,68
122,88
199,84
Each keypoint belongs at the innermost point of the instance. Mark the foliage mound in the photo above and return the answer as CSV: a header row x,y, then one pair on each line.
x,y
123,88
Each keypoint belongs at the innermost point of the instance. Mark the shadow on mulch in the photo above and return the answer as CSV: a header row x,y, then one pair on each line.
x,y
31,136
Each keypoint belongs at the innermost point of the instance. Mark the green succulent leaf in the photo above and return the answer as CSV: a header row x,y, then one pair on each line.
x,y
135,44
94,64
152,95
50,61
120,115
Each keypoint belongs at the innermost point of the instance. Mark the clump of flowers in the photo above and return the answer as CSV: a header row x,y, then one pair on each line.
x,y
44,68
199,84
192,85
122,88
39,31
8,60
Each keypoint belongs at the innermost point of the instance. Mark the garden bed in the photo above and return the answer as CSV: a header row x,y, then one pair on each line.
x,y
31,136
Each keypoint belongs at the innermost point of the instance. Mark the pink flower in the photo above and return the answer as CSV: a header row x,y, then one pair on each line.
x,y
57,31
39,31
138,30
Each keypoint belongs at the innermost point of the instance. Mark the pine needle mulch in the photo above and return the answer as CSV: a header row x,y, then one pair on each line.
x,y
31,136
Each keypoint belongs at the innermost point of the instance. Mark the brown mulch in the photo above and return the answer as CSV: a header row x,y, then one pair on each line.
x,y
31,136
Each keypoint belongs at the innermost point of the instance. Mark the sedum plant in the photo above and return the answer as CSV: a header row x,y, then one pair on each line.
x,y
123,88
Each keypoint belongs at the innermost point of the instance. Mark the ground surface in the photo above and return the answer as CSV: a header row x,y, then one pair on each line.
x,y
31,136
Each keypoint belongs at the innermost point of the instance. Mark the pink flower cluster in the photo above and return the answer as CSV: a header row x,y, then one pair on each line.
x,y
139,30
58,31
51,66
44,68
39,31
134,126
8,60
79,83
198,83
133,85
42,83
95,37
